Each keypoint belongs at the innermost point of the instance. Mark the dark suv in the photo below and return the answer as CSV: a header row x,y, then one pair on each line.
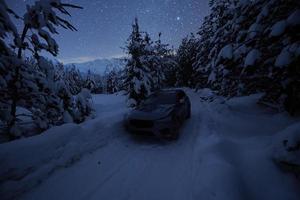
x,y
161,114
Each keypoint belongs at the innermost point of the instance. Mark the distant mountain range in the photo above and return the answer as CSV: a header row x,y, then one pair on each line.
x,y
99,66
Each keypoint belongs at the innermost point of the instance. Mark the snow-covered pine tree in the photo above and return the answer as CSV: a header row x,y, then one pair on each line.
x,y
99,84
74,79
83,106
254,44
16,74
170,67
24,84
113,81
186,54
47,108
8,59
211,42
201,64
252,48
156,59
90,82
161,60
150,60
275,66
137,81
63,92
76,105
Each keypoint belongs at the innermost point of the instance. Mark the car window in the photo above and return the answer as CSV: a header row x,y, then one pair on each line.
x,y
161,98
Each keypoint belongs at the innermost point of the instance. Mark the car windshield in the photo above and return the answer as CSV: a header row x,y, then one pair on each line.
x,y
161,98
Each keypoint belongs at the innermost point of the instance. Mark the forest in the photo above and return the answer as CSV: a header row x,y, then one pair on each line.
x,y
240,49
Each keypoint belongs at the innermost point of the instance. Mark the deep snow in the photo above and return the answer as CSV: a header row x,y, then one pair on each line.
x,y
224,152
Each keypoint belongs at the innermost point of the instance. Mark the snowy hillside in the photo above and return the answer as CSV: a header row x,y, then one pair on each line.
x,y
224,152
100,66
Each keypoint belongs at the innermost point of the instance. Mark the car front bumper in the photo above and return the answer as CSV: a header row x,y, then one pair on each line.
x,y
160,128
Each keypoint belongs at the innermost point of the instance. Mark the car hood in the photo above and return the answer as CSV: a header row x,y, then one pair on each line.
x,y
151,112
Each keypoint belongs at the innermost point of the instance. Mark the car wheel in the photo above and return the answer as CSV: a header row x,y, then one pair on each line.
x,y
174,134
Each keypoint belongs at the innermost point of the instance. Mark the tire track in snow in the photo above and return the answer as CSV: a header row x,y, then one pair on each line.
x,y
168,166
213,164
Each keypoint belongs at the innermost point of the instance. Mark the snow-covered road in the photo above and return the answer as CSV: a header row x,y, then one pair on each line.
x,y
223,153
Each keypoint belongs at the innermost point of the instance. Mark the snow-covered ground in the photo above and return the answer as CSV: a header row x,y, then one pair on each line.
x,y
224,152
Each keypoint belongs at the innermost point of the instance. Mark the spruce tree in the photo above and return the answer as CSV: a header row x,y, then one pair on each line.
x,y
137,81
185,58
113,81
247,47
161,60
74,79
27,85
90,82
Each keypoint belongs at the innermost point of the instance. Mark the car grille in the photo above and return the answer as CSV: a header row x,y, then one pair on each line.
x,y
141,123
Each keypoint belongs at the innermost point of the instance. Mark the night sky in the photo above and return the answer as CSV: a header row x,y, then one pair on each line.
x,y
104,25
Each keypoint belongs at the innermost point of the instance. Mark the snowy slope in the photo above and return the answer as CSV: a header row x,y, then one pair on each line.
x,y
224,152
100,65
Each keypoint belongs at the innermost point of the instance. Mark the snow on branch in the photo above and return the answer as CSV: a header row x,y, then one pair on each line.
x,y
43,15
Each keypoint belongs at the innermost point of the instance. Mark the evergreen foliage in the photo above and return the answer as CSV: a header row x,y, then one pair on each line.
x,y
137,81
245,47
36,88
185,58
147,65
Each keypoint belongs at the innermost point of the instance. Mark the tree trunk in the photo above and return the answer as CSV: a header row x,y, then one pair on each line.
x,y
14,93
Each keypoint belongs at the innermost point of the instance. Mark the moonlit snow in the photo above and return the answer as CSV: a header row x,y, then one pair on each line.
x,y
225,151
